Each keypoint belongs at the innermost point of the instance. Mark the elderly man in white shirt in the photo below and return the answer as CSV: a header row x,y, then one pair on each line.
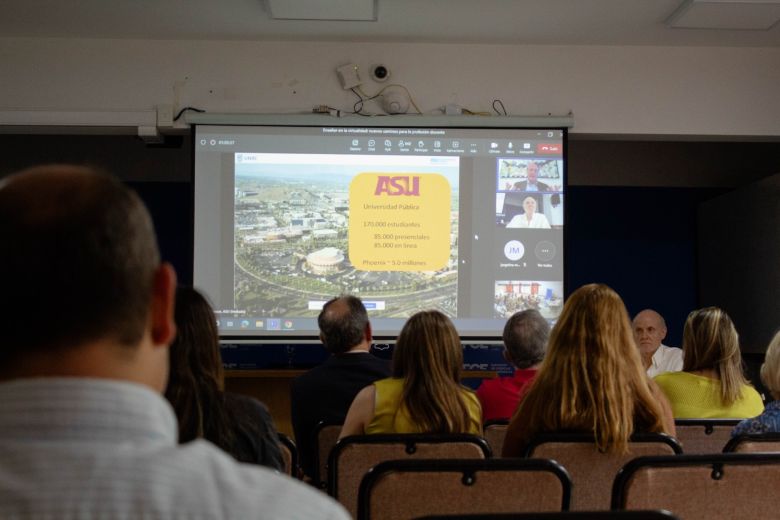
x,y
649,332
87,316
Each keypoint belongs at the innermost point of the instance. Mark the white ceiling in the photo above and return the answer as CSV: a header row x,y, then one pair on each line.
x,y
540,22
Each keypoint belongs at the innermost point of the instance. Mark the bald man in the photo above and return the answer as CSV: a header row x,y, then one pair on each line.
x,y
649,332
86,316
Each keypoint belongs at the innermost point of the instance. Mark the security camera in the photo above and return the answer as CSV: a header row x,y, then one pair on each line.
x,y
379,72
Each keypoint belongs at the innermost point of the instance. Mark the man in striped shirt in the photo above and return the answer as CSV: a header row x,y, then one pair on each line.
x,y
86,312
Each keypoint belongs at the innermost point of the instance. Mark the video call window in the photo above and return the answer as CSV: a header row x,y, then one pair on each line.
x,y
512,296
546,212
543,175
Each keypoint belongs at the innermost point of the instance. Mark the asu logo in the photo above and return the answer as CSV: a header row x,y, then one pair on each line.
x,y
398,185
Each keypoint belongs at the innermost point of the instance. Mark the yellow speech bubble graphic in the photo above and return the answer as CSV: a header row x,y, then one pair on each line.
x,y
399,221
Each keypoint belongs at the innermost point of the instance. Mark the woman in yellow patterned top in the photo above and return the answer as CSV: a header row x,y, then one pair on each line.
x,y
711,385
424,395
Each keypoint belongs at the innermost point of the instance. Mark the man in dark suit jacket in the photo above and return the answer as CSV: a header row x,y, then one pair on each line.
x,y
532,184
324,393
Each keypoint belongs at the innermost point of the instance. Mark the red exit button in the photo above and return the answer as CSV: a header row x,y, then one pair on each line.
x,y
550,148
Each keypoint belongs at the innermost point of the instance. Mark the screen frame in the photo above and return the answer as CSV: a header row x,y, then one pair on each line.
x,y
552,123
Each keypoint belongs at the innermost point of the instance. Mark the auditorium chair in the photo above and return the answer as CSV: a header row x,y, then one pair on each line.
x,y
592,472
289,455
754,443
698,436
658,514
325,437
712,486
405,489
494,432
353,456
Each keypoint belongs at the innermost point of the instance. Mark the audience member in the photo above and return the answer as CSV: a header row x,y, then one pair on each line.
x,y
236,423
769,420
591,379
530,218
87,317
424,395
325,393
525,341
649,332
712,384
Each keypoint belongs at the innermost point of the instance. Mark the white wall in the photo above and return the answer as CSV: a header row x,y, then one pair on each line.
x,y
611,90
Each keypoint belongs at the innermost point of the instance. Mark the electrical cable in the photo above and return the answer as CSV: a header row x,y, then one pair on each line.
x,y
186,109
382,90
501,104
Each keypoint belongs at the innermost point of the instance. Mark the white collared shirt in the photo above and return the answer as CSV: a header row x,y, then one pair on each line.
x,y
665,359
105,449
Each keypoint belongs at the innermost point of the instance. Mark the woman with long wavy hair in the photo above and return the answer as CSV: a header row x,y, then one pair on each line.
x,y
238,424
424,395
591,379
711,384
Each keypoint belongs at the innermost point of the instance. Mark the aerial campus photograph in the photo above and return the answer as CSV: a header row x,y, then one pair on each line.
x,y
291,248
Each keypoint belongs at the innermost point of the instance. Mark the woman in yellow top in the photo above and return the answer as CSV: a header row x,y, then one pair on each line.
x,y
424,395
711,385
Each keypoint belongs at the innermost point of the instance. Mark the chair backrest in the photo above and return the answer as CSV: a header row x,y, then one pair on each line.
x,y
713,486
592,472
698,436
325,437
289,455
494,432
404,489
754,443
353,456
658,514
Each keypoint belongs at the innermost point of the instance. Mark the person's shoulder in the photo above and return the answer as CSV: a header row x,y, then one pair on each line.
x,y
244,402
251,491
670,351
375,361
489,386
751,395
313,375
669,378
388,382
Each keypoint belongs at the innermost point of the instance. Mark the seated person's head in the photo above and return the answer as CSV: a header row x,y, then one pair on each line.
x,y
525,338
81,271
532,170
529,205
196,373
770,369
344,325
649,331
428,343
429,357
710,341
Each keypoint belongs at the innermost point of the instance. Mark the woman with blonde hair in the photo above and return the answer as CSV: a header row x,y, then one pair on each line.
x,y
711,385
424,394
591,379
769,420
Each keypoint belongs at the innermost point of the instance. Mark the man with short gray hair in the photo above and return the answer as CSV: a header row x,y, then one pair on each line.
x,y
525,343
649,332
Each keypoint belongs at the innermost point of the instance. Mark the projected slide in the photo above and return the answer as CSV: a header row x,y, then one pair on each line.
x,y
465,221
308,227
